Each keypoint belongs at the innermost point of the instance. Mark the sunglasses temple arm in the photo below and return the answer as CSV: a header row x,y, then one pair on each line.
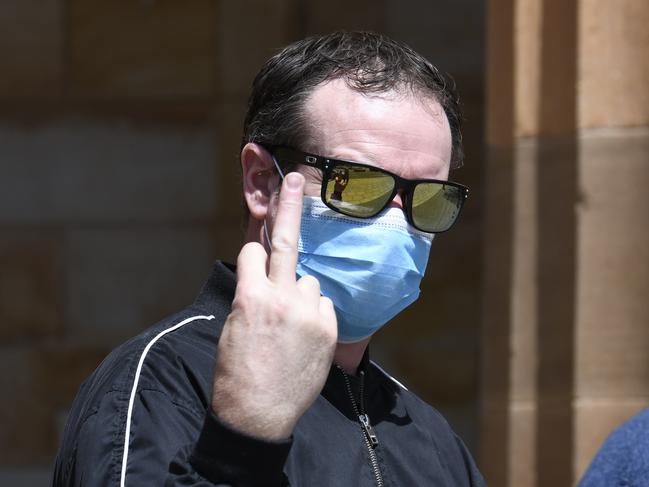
x,y
279,169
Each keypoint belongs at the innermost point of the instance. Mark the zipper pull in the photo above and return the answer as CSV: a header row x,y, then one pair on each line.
x,y
369,431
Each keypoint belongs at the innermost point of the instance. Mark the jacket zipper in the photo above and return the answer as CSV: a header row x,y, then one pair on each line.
x,y
369,436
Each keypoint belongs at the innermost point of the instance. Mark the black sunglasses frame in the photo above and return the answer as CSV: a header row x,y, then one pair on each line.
x,y
290,156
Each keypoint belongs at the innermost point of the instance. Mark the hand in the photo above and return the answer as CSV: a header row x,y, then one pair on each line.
x,y
277,344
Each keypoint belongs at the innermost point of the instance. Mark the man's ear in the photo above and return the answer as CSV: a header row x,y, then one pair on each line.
x,y
260,179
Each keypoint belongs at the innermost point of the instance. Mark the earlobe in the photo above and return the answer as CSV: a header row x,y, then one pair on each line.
x,y
259,179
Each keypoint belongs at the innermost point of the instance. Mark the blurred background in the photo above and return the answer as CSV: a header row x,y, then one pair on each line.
x,y
120,124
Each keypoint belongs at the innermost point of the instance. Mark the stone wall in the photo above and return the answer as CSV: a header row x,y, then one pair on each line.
x,y
107,203
566,314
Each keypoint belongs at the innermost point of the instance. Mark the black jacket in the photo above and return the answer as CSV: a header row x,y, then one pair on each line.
x,y
155,390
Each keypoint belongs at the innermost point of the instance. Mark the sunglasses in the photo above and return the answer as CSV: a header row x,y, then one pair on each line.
x,y
363,191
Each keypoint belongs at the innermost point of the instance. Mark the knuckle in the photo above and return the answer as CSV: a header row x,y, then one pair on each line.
x,y
327,303
310,279
262,303
280,308
276,303
247,296
274,299
283,243
310,282
290,202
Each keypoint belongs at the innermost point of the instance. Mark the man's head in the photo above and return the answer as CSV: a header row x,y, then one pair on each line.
x,y
371,106
315,92
368,63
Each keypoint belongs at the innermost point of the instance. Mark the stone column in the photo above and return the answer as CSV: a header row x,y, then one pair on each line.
x,y
612,319
567,274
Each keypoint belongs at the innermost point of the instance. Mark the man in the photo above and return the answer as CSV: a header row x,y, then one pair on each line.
x,y
266,378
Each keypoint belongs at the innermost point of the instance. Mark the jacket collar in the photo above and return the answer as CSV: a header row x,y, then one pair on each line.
x,y
218,291
340,388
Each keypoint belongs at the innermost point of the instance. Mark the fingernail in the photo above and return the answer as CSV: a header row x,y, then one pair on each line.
x,y
293,181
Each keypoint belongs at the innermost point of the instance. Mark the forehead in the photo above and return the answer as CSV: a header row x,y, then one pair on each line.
x,y
398,131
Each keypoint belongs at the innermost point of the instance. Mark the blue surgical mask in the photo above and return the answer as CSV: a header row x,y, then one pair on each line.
x,y
370,268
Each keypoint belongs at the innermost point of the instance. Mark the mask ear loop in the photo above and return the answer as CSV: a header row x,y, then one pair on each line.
x,y
270,243
281,175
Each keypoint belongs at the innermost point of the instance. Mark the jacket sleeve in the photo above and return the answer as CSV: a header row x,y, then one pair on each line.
x,y
169,444
224,456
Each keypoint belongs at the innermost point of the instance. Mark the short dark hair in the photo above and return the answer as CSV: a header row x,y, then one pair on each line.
x,y
368,62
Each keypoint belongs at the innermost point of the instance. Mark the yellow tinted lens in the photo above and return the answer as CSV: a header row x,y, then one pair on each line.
x,y
435,206
357,190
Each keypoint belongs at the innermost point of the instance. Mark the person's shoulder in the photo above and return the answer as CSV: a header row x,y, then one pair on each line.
x,y
148,359
623,456
177,356
177,351
449,446
635,429
633,434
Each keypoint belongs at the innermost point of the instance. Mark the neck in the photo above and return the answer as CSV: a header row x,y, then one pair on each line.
x,y
349,355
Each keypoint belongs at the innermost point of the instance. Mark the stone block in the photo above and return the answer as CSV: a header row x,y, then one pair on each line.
x,y
613,284
229,113
228,235
495,430
524,276
527,66
613,63
555,445
449,301
68,170
31,285
323,17
437,370
26,477
31,44
522,441
43,382
142,49
558,70
428,27
58,371
497,271
557,195
28,435
249,32
499,64
122,280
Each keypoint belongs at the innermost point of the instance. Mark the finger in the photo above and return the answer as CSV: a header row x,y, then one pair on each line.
x,y
251,263
286,230
309,288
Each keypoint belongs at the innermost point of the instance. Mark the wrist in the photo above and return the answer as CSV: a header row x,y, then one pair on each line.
x,y
266,423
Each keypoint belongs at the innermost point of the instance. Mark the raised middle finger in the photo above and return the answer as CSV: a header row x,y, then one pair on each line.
x,y
286,230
